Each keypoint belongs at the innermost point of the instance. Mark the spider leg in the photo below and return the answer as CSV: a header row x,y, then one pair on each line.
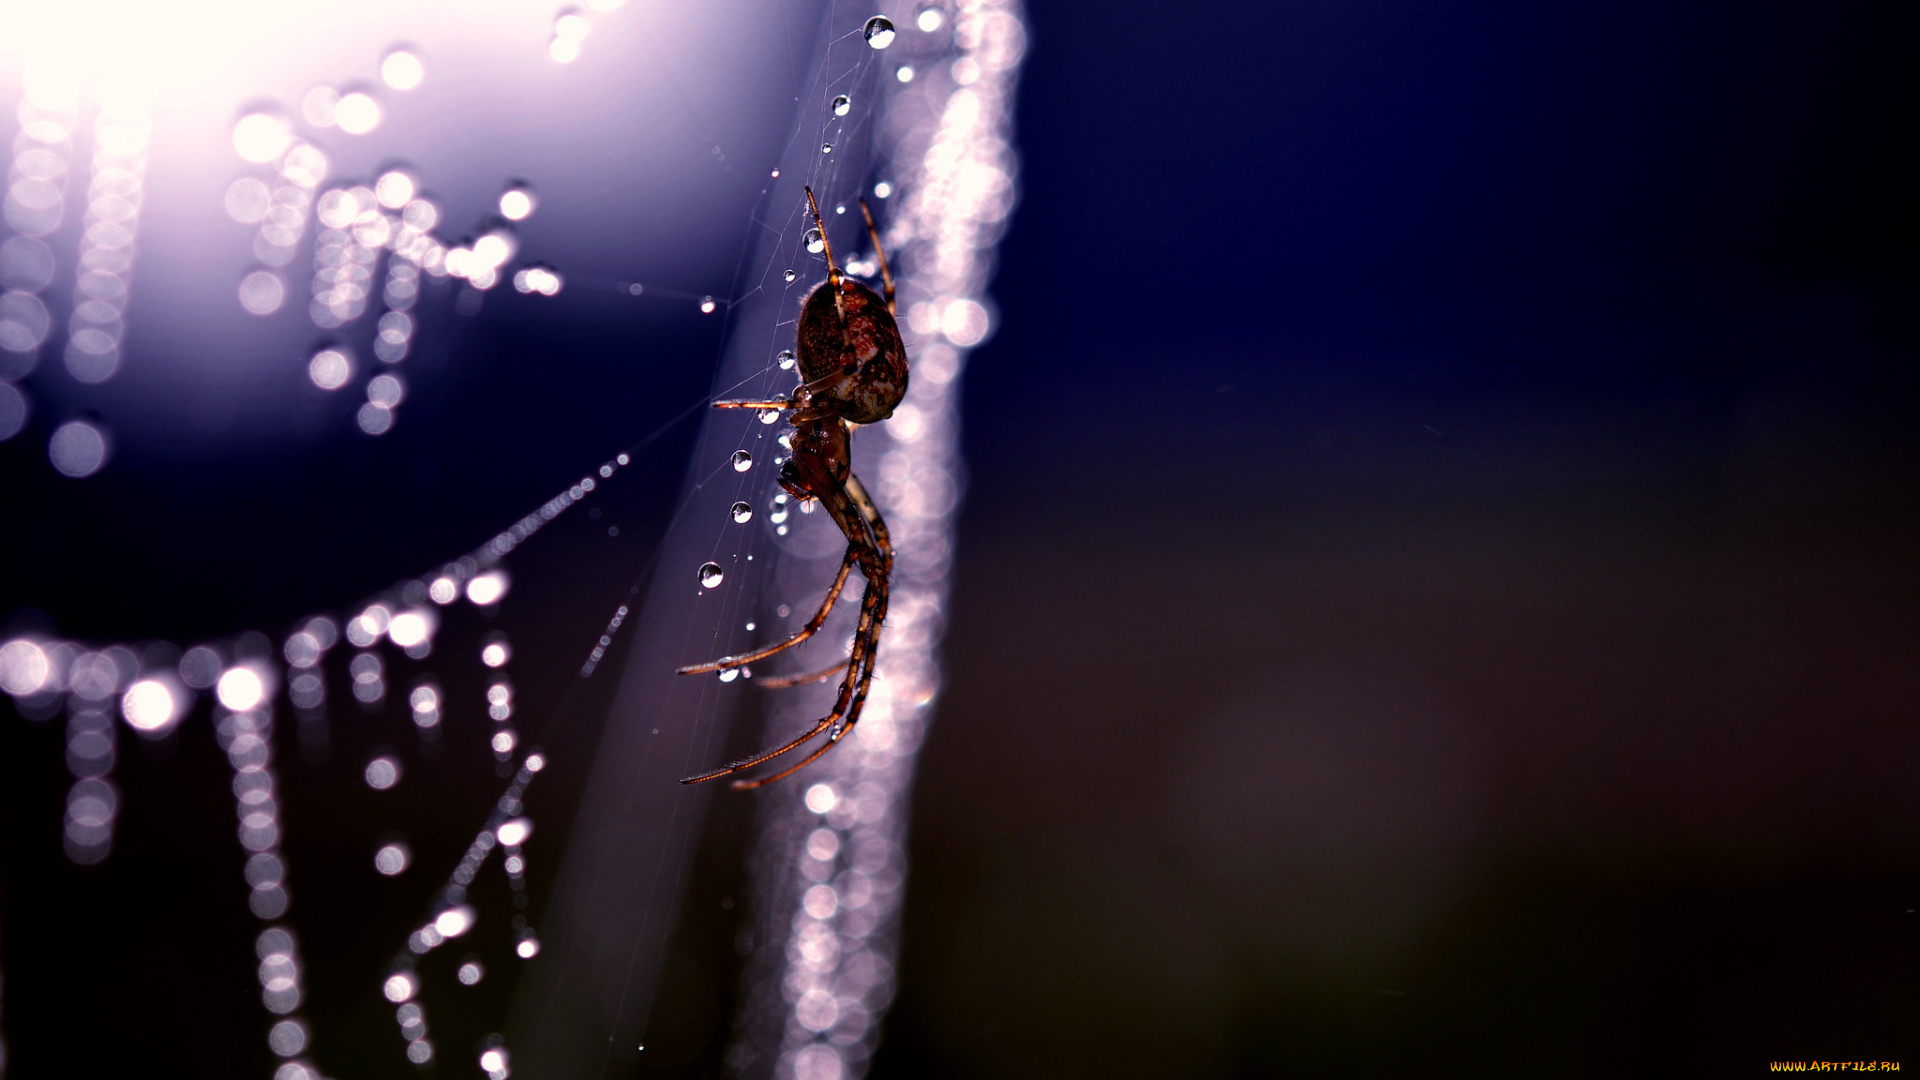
x,y
873,609
781,682
833,272
875,552
885,274
800,635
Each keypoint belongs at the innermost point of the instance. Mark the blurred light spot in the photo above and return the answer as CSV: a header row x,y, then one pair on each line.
x,y
818,1061
882,189
517,202
374,418
410,628
515,832
148,706
706,305
905,73
357,113
386,391
820,798
930,19
503,742
77,449
320,105
262,292
419,1051
402,70
383,772
454,921
13,411
444,590
821,902
240,689
823,844
392,859
487,588
495,654
25,264
248,200
287,1038
470,973
494,249
569,30
536,762
964,322
537,279
329,369
399,987
260,138
528,948
394,189
302,649
200,667
24,667
24,321
494,1061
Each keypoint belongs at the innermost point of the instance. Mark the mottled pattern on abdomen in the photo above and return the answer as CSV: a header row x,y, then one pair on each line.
x,y
865,347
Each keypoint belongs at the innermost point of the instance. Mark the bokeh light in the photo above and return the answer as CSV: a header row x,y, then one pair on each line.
x,y
77,449
149,707
392,858
261,137
383,772
399,986
402,69
330,369
262,292
487,588
357,113
514,833
240,689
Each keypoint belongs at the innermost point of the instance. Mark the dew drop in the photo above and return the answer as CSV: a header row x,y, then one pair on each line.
x,y
742,513
768,416
826,148
790,275
816,243
730,674
710,575
786,359
879,31
842,105
742,461
706,305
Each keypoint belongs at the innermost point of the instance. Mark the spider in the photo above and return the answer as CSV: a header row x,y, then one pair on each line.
x,y
853,370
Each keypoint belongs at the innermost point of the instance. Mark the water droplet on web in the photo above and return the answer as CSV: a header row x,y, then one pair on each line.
x,y
710,575
706,305
742,461
768,416
786,359
842,105
879,31
729,675
790,275
742,513
826,148
816,243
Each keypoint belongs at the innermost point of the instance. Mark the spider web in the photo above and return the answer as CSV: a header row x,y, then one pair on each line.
x,y
387,718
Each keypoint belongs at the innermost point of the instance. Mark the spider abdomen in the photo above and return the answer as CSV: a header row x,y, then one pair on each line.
x,y
858,341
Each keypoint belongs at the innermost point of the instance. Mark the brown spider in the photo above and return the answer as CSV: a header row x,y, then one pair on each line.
x,y
853,370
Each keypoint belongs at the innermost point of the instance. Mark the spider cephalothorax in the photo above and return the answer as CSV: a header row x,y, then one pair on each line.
x,y
853,370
